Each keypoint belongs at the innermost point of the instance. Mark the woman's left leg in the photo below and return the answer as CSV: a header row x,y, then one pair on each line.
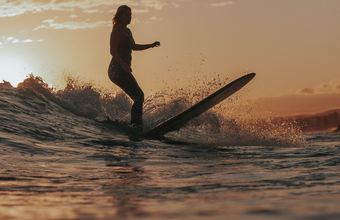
x,y
127,82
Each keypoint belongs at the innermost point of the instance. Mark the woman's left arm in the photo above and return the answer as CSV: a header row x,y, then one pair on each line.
x,y
142,46
145,46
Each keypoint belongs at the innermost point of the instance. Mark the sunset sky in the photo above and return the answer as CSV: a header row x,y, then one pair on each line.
x,y
292,45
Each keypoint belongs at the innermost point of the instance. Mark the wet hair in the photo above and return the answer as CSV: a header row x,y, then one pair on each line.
x,y
119,13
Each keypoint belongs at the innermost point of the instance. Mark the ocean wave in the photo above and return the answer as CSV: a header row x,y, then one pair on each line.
x,y
48,112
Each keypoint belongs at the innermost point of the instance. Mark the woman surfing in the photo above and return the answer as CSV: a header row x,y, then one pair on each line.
x,y
120,72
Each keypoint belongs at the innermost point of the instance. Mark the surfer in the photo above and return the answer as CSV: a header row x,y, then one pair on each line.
x,y
120,72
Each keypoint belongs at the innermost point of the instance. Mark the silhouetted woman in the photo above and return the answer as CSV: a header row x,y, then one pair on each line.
x,y
121,46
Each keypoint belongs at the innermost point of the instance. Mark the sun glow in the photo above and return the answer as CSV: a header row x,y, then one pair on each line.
x,y
13,70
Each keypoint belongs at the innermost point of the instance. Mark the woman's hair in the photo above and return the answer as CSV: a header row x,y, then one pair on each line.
x,y
120,11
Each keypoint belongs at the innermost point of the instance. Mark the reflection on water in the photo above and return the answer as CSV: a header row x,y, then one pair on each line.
x,y
154,181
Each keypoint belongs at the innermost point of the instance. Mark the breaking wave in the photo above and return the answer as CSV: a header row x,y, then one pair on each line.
x,y
231,122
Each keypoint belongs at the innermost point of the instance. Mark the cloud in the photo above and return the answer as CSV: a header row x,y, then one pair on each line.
x,y
72,25
323,88
74,14
155,18
332,86
18,7
335,85
5,40
14,7
157,4
140,11
221,4
307,91
27,41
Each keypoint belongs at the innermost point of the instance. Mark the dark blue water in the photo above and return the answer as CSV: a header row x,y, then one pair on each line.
x,y
59,160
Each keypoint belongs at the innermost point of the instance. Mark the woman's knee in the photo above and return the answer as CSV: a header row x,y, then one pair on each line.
x,y
138,97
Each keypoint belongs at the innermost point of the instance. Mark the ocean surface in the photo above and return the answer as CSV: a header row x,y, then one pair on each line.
x,y
69,154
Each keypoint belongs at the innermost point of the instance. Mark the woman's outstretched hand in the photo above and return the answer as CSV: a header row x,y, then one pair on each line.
x,y
156,44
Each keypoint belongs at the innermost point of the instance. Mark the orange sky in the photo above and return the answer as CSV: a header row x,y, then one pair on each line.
x,y
292,45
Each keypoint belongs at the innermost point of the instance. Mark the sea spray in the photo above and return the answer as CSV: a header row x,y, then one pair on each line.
x,y
231,122
38,85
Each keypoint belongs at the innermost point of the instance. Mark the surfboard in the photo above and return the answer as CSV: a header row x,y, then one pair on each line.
x,y
179,120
